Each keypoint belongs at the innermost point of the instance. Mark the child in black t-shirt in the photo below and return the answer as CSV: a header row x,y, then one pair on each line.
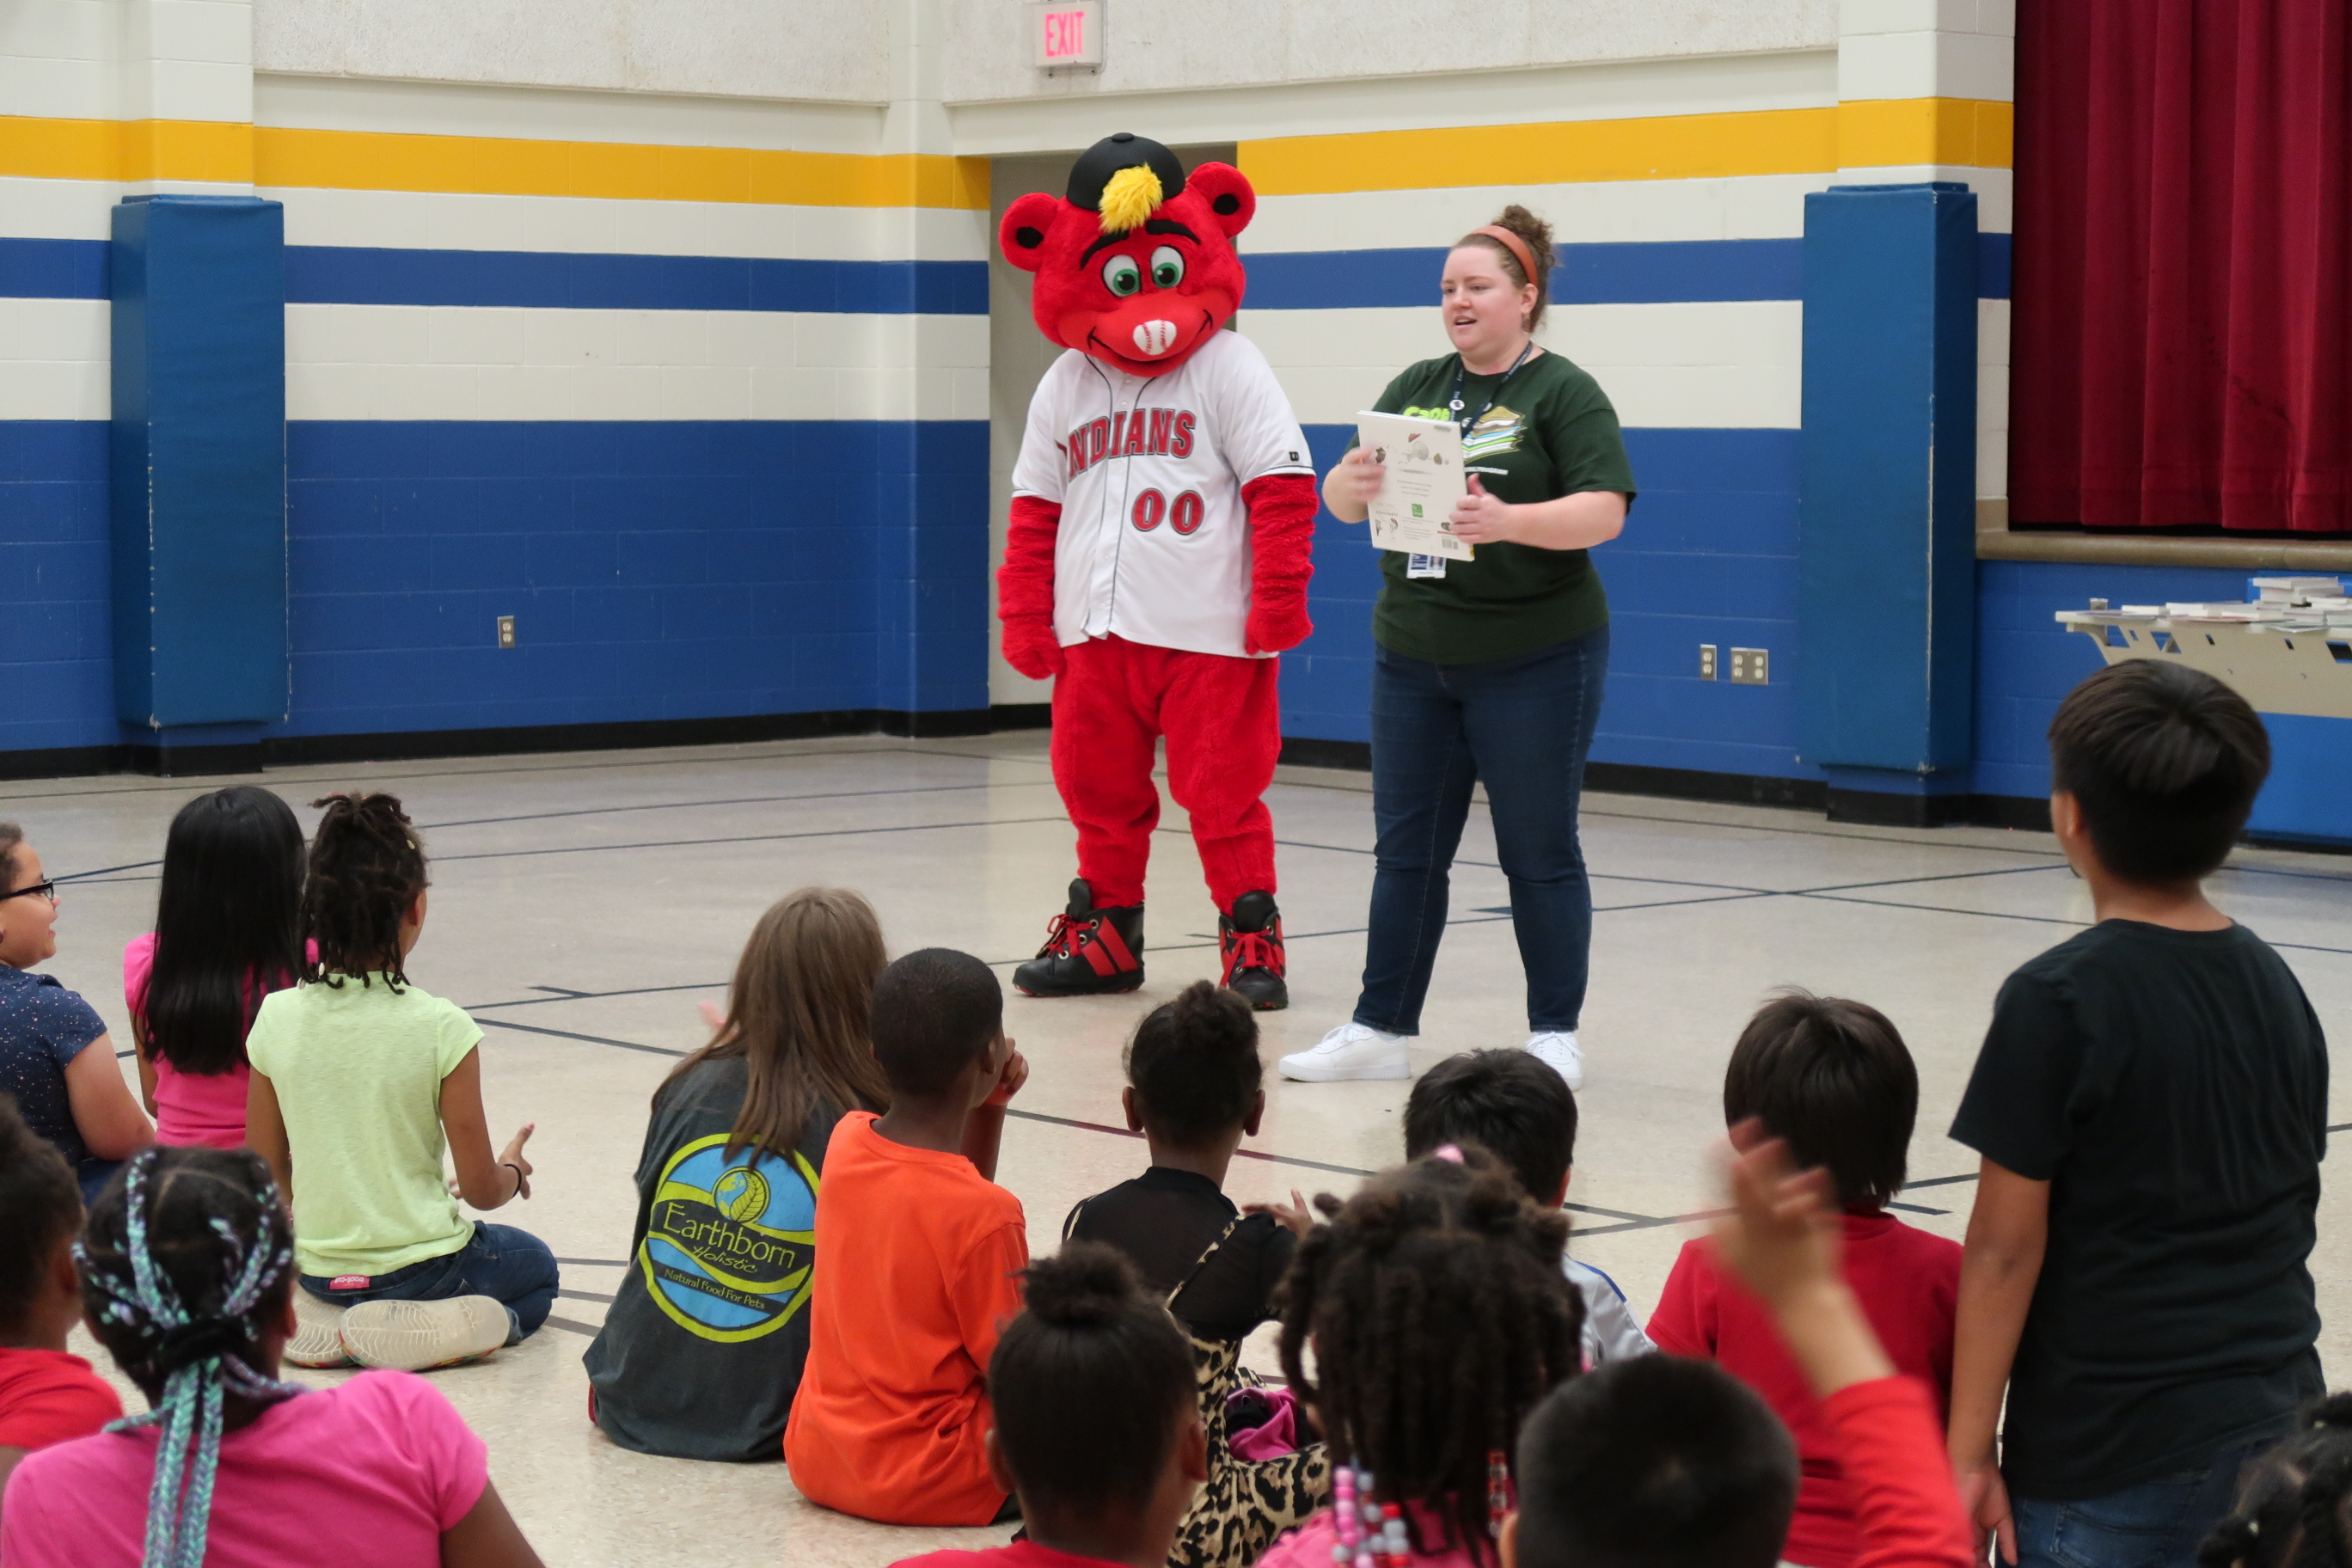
x,y
1193,1092
2151,1105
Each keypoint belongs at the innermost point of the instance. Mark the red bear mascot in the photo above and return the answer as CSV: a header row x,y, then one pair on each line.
x,y
1163,511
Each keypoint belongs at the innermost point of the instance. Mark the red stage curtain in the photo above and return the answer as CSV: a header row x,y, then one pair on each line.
x,y
2183,348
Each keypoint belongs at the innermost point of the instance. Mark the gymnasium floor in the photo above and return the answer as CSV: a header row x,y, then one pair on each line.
x,y
584,904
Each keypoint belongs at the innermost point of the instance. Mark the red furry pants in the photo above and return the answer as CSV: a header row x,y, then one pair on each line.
x,y
1223,724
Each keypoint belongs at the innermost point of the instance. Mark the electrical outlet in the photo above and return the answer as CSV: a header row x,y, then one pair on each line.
x,y
505,631
1750,666
1706,661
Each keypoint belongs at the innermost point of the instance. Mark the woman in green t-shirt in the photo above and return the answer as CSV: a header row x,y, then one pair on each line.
x,y
1488,669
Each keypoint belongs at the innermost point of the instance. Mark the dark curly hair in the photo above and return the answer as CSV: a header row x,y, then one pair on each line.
x,y
1439,1317
367,866
1194,1066
2292,1505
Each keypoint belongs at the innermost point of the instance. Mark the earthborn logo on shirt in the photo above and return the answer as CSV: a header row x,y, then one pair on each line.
x,y
730,1244
1491,437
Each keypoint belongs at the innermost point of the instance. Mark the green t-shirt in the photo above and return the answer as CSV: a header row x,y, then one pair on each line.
x,y
357,1071
1553,433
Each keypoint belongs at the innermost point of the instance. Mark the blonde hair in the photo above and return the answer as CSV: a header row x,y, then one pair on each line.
x,y
1536,235
797,1014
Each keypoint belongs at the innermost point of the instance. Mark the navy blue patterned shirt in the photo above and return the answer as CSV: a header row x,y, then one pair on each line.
x,y
43,1027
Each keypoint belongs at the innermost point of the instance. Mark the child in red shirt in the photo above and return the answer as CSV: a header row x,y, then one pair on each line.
x,y
1835,1080
922,1256
45,1394
1096,1427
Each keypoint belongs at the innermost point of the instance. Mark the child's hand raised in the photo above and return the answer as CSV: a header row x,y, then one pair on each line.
x,y
513,1155
1009,1081
1293,1216
1782,1233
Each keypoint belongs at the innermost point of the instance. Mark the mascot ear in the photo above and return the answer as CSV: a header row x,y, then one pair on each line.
x,y
1226,190
1026,224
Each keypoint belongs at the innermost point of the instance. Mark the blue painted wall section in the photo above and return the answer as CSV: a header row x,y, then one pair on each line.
x,y
1887,568
57,664
198,467
655,570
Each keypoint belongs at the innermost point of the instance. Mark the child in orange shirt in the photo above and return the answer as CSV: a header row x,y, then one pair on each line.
x,y
922,1253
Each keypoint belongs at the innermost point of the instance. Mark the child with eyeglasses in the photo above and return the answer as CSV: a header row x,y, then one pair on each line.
x,y
55,1059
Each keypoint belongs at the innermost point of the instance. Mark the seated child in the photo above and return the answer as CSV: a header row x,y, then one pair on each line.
x,y
1520,1110
1193,1074
1833,1079
56,1058
187,1278
1096,1431
357,1075
2137,1312
228,932
1439,1318
1667,1463
2290,1509
45,1394
702,1348
923,1253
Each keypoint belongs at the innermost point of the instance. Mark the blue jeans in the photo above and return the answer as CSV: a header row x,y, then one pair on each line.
x,y
2156,1524
512,1265
1523,725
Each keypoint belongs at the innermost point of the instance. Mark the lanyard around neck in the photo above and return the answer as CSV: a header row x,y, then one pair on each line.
x,y
1461,369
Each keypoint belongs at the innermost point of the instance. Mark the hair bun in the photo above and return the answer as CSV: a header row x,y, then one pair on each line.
x,y
1534,231
1208,1014
1086,1285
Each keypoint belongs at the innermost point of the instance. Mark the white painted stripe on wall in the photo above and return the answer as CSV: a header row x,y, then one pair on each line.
x,y
401,361
57,209
54,359
1992,397
456,221
1750,206
563,114
1706,365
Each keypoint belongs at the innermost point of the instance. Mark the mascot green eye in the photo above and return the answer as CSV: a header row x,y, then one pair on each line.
x,y
1121,276
1167,266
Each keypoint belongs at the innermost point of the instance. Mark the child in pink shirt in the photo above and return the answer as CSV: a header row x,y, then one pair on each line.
x,y
228,925
187,1270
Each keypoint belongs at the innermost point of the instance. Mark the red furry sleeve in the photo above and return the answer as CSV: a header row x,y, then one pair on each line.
x,y
1281,559
1024,588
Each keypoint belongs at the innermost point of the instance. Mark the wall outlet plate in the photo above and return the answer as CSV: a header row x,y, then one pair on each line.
x,y
1752,666
505,631
1706,661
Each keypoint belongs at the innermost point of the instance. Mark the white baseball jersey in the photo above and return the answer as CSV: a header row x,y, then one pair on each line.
x,y
1154,543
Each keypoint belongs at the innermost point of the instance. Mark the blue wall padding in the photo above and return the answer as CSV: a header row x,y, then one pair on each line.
x,y
1886,572
198,460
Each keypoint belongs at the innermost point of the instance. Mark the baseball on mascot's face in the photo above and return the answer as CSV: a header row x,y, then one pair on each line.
x,y
1142,279
1486,313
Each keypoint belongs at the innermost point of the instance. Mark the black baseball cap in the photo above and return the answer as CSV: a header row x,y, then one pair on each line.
x,y
1106,157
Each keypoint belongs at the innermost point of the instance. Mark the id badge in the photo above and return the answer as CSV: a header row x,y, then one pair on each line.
x,y
1424,565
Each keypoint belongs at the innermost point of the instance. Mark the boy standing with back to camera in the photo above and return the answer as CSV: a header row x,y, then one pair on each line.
x,y
2151,1105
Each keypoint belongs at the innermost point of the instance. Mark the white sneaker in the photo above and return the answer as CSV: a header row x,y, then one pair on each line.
x,y
318,1332
1561,1053
1350,1051
411,1336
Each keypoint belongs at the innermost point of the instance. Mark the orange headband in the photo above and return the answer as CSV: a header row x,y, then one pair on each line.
x,y
1519,249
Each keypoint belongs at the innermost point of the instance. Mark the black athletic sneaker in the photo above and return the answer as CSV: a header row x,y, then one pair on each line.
x,y
1088,953
1251,941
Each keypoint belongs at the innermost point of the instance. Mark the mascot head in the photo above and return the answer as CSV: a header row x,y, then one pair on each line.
x,y
1135,265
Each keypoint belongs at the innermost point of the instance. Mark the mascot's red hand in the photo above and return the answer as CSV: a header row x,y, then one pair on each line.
x,y
1282,542
1024,589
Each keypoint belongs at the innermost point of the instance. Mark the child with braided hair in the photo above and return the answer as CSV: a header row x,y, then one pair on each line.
x,y
360,1083
2293,1501
187,1272
1439,1317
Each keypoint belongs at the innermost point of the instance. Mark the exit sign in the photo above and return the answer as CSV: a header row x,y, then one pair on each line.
x,y
1068,33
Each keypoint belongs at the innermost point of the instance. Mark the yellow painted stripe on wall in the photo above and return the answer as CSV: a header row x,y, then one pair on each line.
x,y
375,161
123,150
1665,147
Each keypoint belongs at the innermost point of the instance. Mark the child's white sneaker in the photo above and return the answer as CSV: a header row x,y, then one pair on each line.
x,y
318,1332
411,1336
1350,1051
1559,1052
